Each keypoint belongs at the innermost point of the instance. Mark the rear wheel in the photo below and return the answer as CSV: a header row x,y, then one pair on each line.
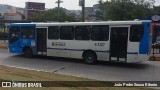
x,y
28,53
90,58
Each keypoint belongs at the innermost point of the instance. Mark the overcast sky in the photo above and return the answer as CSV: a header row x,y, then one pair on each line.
x,y
69,4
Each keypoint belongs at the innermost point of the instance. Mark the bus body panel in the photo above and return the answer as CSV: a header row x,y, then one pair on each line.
x,y
101,48
18,46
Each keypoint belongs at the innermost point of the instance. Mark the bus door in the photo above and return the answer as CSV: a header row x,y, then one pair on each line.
x,y
42,41
118,43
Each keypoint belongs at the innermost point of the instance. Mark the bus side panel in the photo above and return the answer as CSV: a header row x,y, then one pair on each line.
x,y
75,48
145,44
67,48
101,48
132,50
137,51
27,42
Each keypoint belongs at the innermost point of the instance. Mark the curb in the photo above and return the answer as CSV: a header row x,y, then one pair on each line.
x,y
3,47
154,58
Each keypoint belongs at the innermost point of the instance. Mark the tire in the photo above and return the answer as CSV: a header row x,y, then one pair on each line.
x,y
90,58
28,53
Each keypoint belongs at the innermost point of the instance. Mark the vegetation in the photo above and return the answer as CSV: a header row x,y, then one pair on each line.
x,y
108,10
15,74
51,15
128,9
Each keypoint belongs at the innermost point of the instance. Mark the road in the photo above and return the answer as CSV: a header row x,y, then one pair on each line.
x,y
146,71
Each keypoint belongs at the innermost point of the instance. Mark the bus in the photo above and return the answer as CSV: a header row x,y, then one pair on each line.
x,y
114,41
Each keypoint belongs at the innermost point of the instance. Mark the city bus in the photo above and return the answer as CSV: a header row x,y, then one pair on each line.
x,y
114,41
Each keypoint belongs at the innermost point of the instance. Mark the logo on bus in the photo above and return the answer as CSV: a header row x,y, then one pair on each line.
x,y
58,44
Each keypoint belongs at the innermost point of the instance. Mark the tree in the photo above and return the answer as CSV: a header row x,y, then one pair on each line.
x,y
51,15
126,9
156,10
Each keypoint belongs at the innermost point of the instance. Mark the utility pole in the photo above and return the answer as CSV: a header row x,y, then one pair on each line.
x,y
58,2
83,10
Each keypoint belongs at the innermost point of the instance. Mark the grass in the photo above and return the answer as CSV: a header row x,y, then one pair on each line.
x,y
10,73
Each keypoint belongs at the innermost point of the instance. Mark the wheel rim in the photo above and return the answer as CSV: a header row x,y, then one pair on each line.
x,y
89,58
27,53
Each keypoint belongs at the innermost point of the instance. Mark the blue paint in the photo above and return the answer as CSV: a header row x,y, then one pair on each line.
x,y
17,47
144,43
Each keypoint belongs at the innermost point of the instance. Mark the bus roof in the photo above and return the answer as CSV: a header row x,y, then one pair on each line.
x,y
84,23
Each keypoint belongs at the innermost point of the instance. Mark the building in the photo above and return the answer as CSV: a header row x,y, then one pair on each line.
x,y
88,13
8,12
33,8
97,13
4,8
13,16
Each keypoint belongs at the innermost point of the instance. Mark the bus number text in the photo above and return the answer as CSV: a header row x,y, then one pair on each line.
x,y
99,44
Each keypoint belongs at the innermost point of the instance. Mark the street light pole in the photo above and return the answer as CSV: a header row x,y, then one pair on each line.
x,y
58,2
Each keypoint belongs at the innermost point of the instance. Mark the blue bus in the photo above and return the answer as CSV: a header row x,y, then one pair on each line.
x,y
119,41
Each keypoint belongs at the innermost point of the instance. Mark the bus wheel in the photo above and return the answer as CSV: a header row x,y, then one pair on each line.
x,y
28,53
90,58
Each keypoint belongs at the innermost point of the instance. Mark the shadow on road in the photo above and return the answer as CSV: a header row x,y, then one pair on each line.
x,y
80,61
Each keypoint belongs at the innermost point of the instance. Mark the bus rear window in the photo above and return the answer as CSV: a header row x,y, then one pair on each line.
x,y
28,32
14,33
136,33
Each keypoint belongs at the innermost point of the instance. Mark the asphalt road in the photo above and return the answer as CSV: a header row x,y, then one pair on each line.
x,y
146,71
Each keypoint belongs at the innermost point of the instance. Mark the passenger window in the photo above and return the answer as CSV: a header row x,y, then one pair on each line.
x,y
100,33
82,32
28,32
136,33
67,33
14,33
53,32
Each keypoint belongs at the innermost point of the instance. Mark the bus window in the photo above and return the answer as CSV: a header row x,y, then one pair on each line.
x,y
28,32
136,33
53,32
14,33
67,33
100,33
82,33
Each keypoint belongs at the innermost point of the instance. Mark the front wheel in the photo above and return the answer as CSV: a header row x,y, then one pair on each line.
x,y
90,58
28,53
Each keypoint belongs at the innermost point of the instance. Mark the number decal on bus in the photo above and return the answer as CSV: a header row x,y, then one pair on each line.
x,y
99,44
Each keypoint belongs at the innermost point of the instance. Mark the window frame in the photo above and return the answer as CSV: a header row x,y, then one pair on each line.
x,y
28,37
11,40
131,34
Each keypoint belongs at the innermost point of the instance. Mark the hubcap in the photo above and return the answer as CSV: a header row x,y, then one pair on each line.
x,y
89,58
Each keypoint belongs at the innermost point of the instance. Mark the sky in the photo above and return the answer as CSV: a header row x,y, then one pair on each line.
x,y
68,4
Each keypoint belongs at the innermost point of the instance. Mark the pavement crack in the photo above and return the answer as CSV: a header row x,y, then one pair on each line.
x,y
58,69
